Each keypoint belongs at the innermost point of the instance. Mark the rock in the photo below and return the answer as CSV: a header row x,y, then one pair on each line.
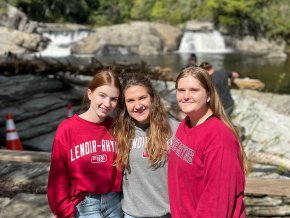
x,y
20,42
141,38
269,211
194,25
27,206
24,156
25,87
3,203
170,36
37,104
247,83
264,201
267,129
261,47
41,142
23,177
280,103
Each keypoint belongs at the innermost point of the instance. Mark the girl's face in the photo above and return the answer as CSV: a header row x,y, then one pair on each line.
x,y
138,103
191,97
104,100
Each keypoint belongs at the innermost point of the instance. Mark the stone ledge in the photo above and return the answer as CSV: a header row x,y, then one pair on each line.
x,y
27,206
24,156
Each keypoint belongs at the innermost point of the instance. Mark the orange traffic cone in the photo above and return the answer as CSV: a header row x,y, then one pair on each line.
x,y
12,139
69,110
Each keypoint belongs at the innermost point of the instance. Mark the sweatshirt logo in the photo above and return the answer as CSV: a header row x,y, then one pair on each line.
x,y
144,154
99,158
182,151
91,147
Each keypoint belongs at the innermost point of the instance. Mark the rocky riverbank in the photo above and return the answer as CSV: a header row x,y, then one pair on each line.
x,y
21,35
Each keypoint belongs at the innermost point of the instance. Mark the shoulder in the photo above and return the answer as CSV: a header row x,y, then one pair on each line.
x,y
217,127
214,132
66,124
219,134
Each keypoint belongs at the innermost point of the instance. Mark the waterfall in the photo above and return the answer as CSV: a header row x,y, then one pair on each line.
x,y
60,45
203,42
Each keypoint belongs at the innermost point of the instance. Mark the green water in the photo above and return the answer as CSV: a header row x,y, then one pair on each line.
x,y
275,73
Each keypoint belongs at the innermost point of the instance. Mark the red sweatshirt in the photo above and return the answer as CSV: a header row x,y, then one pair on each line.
x,y
81,162
205,176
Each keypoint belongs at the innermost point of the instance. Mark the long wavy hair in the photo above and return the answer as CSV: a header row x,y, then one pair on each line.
x,y
101,78
158,133
214,104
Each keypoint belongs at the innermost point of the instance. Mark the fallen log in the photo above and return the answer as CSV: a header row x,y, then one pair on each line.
x,y
275,187
39,66
247,83
268,159
24,156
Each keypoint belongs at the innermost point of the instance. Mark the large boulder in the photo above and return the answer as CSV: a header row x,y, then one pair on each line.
x,y
13,18
261,46
18,34
20,42
141,38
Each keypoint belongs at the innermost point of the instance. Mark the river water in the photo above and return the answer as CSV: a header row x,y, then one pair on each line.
x,y
275,73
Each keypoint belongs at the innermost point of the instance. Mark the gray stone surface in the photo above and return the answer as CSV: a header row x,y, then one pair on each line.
x,y
266,119
37,105
142,38
21,176
27,206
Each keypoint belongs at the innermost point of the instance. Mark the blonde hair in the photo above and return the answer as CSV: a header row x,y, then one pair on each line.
x,y
159,131
215,103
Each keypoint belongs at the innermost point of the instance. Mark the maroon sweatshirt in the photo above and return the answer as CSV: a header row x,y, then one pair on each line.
x,y
82,159
205,176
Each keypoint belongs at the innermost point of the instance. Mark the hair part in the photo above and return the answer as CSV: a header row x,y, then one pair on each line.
x,y
215,103
158,133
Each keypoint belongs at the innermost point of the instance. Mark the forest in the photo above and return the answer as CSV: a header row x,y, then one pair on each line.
x,y
267,18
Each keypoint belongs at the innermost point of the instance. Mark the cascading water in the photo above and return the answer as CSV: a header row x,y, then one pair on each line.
x,y
203,42
60,45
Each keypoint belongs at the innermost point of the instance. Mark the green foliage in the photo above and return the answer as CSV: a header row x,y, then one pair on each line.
x,y
159,10
278,23
3,9
141,9
256,17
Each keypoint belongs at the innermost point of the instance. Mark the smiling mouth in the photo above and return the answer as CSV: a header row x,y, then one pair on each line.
x,y
139,113
104,110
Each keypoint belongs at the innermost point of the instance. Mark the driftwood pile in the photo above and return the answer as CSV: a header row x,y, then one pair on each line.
x,y
39,66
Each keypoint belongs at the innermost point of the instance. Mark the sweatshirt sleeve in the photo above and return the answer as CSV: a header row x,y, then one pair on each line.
x,y
223,183
58,188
